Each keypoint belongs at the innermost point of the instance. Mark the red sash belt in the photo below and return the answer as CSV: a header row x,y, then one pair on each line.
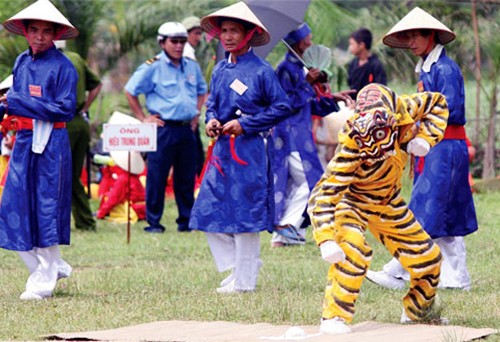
x,y
17,123
454,132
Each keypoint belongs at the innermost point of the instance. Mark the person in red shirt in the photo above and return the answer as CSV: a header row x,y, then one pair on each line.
x,y
114,199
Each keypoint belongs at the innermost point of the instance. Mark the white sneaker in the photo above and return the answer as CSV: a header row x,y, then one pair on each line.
x,y
231,288
228,288
230,277
405,319
227,280
64,271
336,325
386,280
30,296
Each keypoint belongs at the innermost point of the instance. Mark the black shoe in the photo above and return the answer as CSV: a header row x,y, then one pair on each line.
x,y
184,229
155,229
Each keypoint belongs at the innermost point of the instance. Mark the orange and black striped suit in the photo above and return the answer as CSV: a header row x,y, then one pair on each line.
x,y
361,190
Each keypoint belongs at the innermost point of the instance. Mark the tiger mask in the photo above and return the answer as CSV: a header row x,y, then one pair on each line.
x,y
375,125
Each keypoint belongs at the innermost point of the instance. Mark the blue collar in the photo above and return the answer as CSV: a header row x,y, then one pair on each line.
x,y
166,58
42,54
292,59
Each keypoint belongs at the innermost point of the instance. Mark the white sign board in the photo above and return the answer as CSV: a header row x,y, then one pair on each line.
x,y
129,137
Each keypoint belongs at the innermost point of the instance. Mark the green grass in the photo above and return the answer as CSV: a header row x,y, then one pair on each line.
x,y
172,276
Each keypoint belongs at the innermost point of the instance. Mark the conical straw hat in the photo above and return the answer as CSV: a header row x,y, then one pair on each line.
x,y
120,158
7,82
40,10
415,20
241,11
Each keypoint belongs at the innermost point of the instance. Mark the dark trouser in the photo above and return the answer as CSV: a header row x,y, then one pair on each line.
x,y
79,137
175,147
200,152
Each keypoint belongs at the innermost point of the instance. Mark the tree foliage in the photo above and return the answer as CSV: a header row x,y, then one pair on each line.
x,y
123,33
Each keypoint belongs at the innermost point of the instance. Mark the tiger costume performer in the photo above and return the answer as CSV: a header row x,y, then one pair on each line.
x,y
361,189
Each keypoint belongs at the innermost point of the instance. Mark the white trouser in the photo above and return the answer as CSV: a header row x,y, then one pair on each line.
x,y
240,253
44,265
297,195
454,272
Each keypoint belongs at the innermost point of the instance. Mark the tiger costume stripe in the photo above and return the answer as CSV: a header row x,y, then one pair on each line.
x,y
361,189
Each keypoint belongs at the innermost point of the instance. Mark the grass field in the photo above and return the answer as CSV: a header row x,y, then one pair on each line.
x,y
172,276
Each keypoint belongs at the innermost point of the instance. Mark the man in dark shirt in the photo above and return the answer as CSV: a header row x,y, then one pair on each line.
x,y
365,68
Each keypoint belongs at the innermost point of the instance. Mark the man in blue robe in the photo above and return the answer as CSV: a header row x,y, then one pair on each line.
x,y
297,167
441,198
36,203
235,202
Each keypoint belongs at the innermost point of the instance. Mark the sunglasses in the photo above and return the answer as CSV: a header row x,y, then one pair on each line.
x,y
177,41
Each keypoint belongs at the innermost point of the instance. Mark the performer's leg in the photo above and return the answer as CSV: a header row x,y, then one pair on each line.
x,y
297,195
345,278
418,254
454,272
30,260
247,261
223,248
43,279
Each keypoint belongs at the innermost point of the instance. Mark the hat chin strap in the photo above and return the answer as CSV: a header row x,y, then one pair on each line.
x,y
62,31
430,42
247,38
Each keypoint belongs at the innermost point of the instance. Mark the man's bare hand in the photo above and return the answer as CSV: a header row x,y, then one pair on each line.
x,y
312,75
154,118
194,123
9,141
232,127
344,96
213,128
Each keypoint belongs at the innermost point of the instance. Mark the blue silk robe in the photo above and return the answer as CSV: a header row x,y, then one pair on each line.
x,y
237,198
295,133
36,201
441,197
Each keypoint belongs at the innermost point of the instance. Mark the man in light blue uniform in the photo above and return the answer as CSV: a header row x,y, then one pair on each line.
x,y
174,89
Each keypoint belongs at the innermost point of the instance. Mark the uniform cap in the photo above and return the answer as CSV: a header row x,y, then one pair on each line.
x,y
191,23
171,29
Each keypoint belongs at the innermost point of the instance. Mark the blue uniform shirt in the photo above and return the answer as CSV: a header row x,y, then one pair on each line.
x,y
170,91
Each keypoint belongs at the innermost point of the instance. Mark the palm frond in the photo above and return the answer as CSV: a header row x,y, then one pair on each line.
x,y
10,48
